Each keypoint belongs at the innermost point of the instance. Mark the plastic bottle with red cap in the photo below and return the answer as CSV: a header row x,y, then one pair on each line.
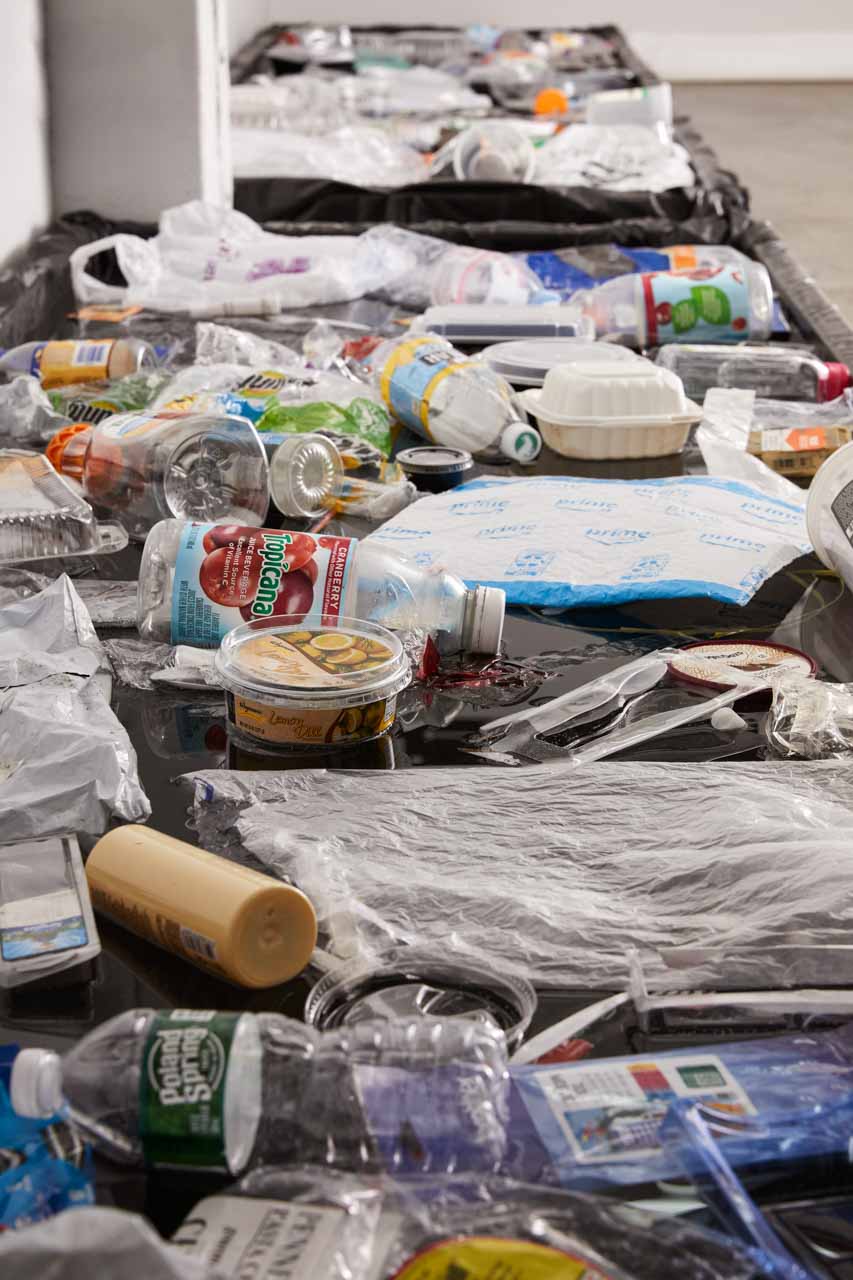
x,y
777,373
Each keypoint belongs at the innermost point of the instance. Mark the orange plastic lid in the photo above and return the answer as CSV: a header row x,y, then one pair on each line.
x,y
56,448
550,102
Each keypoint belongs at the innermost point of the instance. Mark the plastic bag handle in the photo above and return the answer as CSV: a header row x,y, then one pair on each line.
x,y
87,288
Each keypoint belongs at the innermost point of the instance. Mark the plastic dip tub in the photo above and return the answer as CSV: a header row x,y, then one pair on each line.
x,y
292,686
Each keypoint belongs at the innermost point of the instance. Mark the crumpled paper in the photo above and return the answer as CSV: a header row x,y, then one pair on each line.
x,y
66,763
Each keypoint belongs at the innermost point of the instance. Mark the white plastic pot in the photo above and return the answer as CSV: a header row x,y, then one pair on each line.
x,y
829,514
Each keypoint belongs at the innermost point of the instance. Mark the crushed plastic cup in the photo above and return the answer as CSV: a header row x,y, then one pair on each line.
x,y
493,152
42,517
474,276
600,410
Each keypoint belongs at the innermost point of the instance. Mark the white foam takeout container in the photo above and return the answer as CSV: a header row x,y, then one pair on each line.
x,y
606,410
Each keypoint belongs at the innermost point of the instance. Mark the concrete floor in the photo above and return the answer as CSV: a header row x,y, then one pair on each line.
x,y
791,145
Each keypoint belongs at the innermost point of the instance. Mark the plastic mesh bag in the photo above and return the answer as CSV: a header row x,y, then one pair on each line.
x,y
556,872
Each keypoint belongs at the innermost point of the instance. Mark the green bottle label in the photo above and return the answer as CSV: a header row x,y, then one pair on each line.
x,y
182,1088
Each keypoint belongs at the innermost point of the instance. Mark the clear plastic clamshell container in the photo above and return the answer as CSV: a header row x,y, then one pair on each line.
x,y
42,517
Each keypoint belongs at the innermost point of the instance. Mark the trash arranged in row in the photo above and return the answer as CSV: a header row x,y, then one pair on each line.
x,y
574,1003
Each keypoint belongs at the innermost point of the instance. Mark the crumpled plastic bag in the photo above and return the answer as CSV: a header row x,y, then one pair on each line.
x,y
66,763
360,154
26,412
555,874
207,254
723,436
80,1244
811,720
143,664
613,158
568,542
223,344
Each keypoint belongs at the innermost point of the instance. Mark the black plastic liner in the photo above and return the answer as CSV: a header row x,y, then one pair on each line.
x,y
717,198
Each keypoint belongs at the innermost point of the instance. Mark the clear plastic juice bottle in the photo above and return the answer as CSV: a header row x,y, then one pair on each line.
x,y
706,304
152,465
199,581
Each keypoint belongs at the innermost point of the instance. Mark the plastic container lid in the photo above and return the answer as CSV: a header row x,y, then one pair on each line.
x,y
411,982
313,665
696,663
493,152
434,460
595,394
528,361
36,1085
305,474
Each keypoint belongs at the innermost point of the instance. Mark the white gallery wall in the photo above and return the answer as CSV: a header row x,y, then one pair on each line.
x,y
724,40
24,164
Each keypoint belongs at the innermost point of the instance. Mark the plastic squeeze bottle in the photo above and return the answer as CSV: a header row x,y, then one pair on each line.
x,y
202,1089
77,360
705,304
777,373
232,921
199,581
448,399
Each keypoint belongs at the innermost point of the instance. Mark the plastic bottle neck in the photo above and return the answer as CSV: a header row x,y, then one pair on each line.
x,y
67,449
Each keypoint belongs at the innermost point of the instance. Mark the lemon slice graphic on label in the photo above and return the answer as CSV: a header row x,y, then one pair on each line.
x,y
332,643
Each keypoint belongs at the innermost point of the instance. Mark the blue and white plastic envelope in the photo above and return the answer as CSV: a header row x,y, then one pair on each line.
x,y
566,542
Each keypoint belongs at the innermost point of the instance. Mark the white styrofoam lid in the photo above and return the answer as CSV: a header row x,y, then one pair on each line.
x,y
533,357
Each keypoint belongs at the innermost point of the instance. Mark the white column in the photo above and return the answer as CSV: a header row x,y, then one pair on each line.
x,y
138,104
24,176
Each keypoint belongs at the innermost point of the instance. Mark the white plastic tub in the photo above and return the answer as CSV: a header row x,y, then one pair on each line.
x,y
601,411
829,514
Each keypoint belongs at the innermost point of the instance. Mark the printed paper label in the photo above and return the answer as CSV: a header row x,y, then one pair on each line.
x,y
182,1088
227,574
612,1110
261,1239
709,302
60,363
41,925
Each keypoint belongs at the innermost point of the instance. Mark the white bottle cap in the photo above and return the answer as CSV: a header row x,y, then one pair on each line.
x,y
484,620
521,442
36,1085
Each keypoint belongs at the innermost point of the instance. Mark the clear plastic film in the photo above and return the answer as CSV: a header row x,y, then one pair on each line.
x,y
66,763
223,344
811,720
466,1226
26,413
320,1222
613,157
106,1242
555,872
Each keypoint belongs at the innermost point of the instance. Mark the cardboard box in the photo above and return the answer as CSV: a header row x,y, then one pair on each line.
x,y
797,452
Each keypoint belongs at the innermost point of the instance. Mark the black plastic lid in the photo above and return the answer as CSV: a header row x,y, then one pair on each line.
x,y
434,459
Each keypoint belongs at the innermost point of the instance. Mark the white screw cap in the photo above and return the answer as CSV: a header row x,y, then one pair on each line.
x,y
36,1086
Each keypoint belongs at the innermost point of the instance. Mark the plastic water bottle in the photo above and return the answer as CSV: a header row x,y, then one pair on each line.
x,y
199,581
448,399
66,362
777,373
704,304
146,466
205,1090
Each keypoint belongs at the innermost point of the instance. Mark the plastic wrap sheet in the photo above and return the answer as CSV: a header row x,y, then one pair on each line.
x,y
617,1241
107,1243
557,874
66,763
